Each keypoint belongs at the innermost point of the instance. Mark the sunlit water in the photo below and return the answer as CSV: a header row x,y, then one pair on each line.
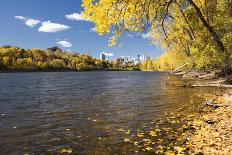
x,y
42,113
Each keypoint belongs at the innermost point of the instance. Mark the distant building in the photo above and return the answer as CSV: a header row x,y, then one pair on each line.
x,y
142,58
136,61
120,60
139,58
102,56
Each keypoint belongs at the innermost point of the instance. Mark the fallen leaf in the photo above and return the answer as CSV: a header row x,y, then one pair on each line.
x,y
179,149
140,134
126,140
149,148
67,150
135,143
152,133
121,130
127,132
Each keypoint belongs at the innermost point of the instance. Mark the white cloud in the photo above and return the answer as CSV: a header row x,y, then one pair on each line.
x,y
64,43
146,36
52,27
76,16
28,21
108,54
93,30
130,35
20,18
142,35
32,22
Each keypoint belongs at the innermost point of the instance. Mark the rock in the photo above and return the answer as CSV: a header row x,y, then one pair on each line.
x,y
228,97
210,122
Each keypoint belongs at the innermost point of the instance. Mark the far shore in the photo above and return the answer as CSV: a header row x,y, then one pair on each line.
x,y
37,71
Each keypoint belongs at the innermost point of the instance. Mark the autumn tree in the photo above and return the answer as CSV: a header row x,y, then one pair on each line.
x,y
196,28
14,58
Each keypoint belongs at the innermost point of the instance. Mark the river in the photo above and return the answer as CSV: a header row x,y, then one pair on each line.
x,y
91,112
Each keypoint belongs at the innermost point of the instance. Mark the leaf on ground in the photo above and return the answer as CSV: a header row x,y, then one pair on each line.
x,y
122,130
152,133
169,153
148,148
179,149
135,143
126,140
140,134
127,132
66,150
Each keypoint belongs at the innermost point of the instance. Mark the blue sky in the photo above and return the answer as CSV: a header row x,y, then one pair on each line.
x,y
43,23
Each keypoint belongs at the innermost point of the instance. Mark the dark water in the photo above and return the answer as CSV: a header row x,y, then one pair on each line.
x,y
42,113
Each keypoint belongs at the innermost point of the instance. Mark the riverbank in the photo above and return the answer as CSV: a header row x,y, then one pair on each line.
x,y
212,132
204,78
211,129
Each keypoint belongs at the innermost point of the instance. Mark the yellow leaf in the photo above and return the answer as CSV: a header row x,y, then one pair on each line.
x,y
140,134
127,132
121,130
179,149
152,133
126,140
68,150
169,153
149,148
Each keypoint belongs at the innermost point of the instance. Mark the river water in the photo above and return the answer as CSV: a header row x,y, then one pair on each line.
x,y
91,112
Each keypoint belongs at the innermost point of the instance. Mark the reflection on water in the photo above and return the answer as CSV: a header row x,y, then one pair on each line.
x,y
87,111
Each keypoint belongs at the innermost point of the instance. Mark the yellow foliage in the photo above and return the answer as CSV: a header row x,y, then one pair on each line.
x,y
176,25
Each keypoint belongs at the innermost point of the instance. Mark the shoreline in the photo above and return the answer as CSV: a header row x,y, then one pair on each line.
x,y
212,127
212,132
207,78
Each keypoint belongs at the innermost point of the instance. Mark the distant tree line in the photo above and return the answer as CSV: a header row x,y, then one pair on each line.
x,y
19,59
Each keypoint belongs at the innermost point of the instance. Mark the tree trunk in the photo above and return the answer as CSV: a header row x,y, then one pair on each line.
x,y
216,38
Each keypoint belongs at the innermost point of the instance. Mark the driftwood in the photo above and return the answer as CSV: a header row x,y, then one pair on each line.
x,y
178,69
211,103
189,85
212,85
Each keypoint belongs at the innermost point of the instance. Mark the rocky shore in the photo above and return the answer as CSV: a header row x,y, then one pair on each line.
x,y
205,78
213,132
212,128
